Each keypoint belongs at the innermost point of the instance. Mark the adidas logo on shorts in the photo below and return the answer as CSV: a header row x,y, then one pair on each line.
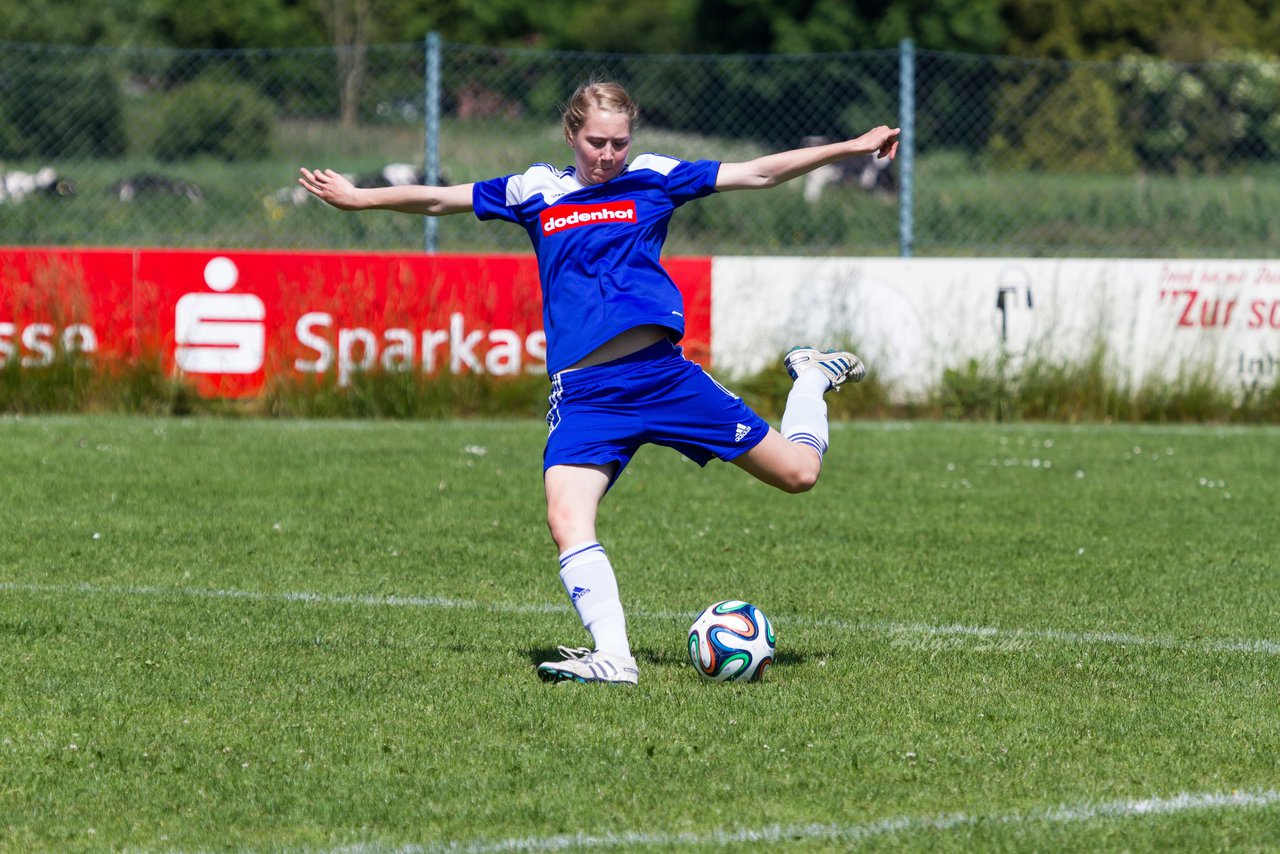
x,y
741,433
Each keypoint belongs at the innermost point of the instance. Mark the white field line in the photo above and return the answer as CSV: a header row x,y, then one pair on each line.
x,y
990,638
854,833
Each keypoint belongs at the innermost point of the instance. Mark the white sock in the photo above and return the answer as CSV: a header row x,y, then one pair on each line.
x,y
589,580
804,421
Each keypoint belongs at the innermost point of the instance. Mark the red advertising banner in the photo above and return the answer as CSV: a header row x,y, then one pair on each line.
x,y
229,320
65,299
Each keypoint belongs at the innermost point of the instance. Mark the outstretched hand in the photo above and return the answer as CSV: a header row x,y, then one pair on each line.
x,y
882,140
331,187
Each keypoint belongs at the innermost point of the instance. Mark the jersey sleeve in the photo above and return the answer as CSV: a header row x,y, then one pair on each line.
x,y
691,180
491,199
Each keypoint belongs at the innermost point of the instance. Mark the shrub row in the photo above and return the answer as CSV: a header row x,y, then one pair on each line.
x,y
51,111
1101,118
1040,391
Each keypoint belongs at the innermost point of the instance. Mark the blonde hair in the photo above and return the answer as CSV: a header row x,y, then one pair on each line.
x,y
605,96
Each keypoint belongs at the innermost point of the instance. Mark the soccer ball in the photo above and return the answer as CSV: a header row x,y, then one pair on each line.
x,y
731,641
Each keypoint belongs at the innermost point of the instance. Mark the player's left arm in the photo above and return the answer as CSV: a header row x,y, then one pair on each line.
x,y
773,169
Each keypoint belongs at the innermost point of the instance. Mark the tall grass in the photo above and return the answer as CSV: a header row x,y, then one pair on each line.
x,y
1037,389
404,394
73,383
1089,391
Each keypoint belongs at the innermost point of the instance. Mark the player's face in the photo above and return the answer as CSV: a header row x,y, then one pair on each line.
x,y
600,146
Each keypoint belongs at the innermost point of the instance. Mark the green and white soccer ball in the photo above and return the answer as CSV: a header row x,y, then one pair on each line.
x,y
731,641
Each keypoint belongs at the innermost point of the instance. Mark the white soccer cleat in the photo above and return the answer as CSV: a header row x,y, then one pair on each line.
x,y
583,665
839,366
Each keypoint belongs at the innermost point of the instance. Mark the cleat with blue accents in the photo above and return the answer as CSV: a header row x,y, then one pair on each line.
x,y
583,665
839,366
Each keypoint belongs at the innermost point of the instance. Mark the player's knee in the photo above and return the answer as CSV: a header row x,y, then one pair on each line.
x,y
566,527
803,482
556,522
801,476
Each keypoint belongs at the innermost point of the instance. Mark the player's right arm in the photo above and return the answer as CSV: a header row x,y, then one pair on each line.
x,y
334,188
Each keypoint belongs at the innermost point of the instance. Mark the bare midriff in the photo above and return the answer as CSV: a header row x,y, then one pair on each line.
x,y
623,344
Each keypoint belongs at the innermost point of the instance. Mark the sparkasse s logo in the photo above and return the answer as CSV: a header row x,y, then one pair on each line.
x,y
220,333
562,217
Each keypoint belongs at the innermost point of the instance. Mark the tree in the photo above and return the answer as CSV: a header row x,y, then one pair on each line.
x,y
657,26
68,22
804,26
231,24
1061,120
1180,30
349,23
971,26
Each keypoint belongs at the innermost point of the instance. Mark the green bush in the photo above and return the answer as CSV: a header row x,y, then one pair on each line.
x,y
50,109
217,117
1071,125
1203,118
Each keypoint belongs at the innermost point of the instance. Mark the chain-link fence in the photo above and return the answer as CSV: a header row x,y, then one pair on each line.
x,y
1001,156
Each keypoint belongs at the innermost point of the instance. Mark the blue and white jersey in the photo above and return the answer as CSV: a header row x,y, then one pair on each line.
x,y
598,246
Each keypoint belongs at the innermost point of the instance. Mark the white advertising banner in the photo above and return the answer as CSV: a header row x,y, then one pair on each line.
x,y
910,319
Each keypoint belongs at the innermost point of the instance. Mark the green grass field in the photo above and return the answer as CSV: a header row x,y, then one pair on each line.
x,y
321,636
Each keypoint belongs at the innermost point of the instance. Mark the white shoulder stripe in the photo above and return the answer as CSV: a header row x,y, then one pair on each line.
x,y
660,163
540,179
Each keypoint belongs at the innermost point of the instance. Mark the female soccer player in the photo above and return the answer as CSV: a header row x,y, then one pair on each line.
x,y
612,318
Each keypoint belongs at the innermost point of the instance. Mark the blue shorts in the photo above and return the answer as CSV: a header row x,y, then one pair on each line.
x,y
603,414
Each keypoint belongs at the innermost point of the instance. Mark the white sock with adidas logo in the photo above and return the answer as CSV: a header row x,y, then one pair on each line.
x,y
588,578
804,421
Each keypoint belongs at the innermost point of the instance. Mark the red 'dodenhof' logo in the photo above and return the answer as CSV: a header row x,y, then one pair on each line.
x,y
563,217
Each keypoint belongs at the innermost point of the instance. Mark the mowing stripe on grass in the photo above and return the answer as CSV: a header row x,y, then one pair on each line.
x,y
996,639
287,596
1066,814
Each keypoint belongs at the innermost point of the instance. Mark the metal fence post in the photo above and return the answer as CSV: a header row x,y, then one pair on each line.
x,y
431,142
906,146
